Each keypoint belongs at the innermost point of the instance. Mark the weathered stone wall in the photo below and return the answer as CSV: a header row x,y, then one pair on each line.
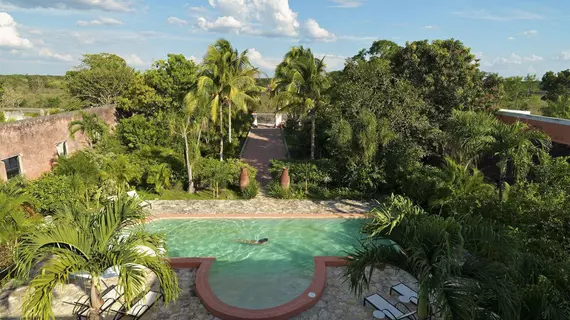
x,y
34,140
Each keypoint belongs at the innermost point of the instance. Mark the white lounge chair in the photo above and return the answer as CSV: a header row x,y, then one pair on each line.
x,y
393,313
406,293
140,307
133,194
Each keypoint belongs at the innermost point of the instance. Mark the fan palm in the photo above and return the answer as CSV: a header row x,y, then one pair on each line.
x,y
90,125
228,79
516,145
92,242
457,283
301,81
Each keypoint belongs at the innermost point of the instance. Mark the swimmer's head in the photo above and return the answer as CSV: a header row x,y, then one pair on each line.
x,y
262,240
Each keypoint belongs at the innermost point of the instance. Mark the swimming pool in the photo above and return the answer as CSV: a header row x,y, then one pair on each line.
x,y
259,276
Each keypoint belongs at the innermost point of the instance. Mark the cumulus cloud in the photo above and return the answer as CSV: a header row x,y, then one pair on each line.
x,y
9,36
564,55
513,59
100,22
257,17
315,32
347,3
135,61
106,5
258,60
176,21
47,53
533,58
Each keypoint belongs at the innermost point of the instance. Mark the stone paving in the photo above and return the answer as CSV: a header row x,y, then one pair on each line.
x,y
258,205
262,145
337,303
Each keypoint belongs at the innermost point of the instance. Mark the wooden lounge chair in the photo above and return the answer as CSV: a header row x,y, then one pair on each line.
x,y
140,307
109,296
389,310
406,293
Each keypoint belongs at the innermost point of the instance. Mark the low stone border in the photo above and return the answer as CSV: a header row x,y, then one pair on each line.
x,y
283,312
256,216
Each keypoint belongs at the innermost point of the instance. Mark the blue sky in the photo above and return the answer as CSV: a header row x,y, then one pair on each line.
x,y
511,37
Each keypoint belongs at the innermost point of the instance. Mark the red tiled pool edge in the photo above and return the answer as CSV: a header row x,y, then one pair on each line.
x,y
285,311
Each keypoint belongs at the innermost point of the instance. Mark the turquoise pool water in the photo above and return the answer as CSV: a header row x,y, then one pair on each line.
x,y
259,276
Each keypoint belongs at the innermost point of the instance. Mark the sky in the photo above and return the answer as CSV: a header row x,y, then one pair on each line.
x,y
510,37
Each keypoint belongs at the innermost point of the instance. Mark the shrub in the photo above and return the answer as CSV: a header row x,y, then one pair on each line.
x,y
158,176
250,191
51,191
137,131
294,192
215,175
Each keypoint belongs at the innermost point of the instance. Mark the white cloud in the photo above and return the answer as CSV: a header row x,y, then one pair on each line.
x,y
315,32
47,53
256,17
505,15
100,22
333,62
106,5
347,3
9,36
533,58
511,38
564,55
176,21
135,61
529,33
359,38
430,27
257,59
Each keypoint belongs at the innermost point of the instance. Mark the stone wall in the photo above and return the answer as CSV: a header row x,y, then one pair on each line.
x,y
34,140
557,129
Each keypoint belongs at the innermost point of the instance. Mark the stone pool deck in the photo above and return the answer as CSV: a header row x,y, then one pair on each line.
x,y
337,302
258,206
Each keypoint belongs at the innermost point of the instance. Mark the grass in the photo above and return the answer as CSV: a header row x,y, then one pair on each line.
x,y
183,195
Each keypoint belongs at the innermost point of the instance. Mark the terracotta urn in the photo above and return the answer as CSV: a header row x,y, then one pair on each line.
x,y
285,180
243,179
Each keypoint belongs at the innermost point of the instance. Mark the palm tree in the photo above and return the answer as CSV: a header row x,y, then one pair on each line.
x,y
90,125
516,145
470,135
301,80
455,281
92,242
228,79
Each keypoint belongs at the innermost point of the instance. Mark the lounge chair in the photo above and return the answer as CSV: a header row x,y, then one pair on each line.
x,y
133,194
393,313
140,307
109,296
406,293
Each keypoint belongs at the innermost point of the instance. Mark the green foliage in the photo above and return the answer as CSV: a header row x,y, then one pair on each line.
x,y
556,85
51,191
2,117
138,131
217,175
100,80
251,190
293,192
159,177
559,108
91,126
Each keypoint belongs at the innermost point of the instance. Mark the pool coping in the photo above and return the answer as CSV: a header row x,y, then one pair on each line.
x,y
282,312
161,216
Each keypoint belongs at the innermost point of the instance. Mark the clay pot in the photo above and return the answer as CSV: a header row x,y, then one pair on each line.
x,y
243,179
285,180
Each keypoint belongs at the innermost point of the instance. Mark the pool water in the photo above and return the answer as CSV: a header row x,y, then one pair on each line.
x,y
259,276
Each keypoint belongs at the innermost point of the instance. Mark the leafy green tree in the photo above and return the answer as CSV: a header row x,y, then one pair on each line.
x,y
380,49
91,126
559,108
138,131
456,281
159,176
227,79
556,85
469,135
301,83
92,242
100,80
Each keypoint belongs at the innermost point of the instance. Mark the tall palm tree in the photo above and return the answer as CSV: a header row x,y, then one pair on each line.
x,y
470,135
301,81
90,125
228,79
516,145
456,282
92,242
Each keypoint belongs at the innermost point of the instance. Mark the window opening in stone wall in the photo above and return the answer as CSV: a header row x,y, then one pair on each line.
x,y
61,148
12,166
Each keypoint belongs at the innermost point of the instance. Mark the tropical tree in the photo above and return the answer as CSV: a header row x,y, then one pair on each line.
x,y
228,79
452,263
82,241
469,136
516,146
91,126
301,81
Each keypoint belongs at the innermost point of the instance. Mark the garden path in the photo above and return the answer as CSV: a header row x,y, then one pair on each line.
x,y
262,145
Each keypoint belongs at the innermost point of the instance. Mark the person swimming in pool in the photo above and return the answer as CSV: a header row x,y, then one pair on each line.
x,y
260,241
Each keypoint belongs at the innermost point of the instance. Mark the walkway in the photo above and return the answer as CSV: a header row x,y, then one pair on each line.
x,y
264,144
